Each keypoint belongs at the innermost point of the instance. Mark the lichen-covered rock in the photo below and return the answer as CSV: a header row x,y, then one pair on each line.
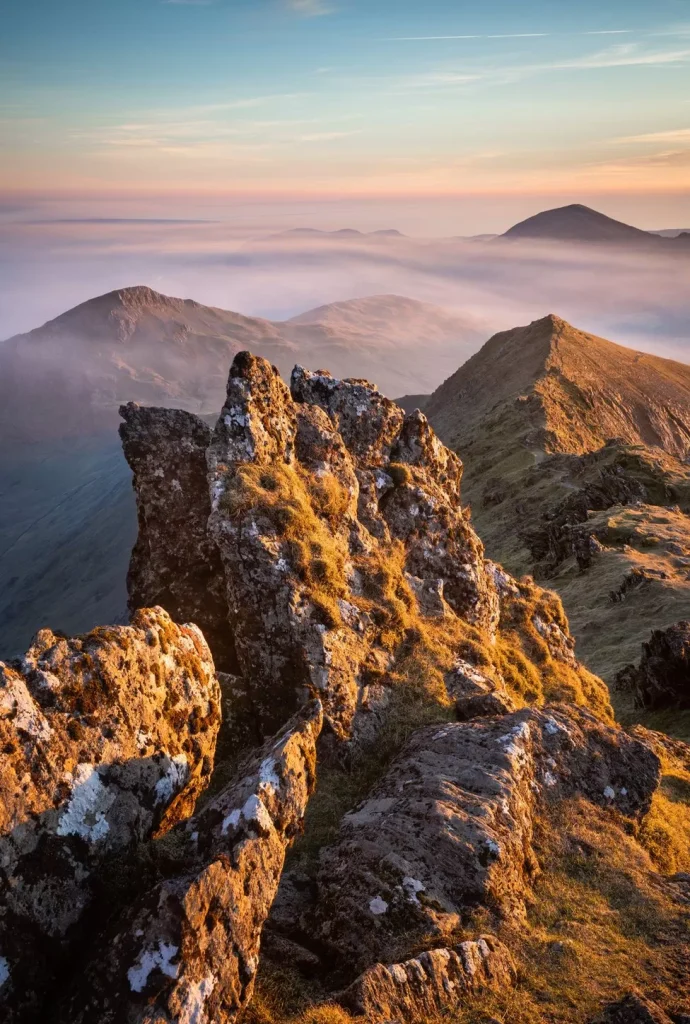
x,y
431,984
106,738
662,679
175,563
633,1009
475,694
188,950
450,825
329,532
299,487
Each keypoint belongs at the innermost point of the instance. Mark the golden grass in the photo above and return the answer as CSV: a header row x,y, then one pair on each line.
x,y
286,498
598,925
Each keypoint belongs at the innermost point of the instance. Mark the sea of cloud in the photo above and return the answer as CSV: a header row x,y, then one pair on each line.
x,y
632,297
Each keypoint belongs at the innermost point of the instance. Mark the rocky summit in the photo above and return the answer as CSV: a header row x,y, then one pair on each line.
x,y
332,522
341,765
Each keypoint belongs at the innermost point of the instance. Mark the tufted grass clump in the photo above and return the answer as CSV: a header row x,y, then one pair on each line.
x,y
665,830
280,494
385,595
527,663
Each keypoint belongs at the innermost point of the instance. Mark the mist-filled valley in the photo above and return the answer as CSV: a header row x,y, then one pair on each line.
x,y
631,295
402,311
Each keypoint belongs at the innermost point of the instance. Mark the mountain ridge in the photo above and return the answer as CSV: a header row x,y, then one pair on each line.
x,y
137,344
639,397
576,469
579,223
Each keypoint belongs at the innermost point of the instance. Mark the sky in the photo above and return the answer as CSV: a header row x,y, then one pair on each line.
x,y
175,107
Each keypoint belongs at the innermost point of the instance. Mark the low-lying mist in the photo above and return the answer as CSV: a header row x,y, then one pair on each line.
x,y
635,298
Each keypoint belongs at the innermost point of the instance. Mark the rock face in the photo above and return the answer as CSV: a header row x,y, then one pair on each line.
x,y
188,950
106,739
662,679
432,983
174,563
310,493
328,524
450,825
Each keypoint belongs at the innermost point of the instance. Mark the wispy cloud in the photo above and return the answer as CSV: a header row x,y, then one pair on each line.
x,y
623,55
327,136
674,135
507,35
620,56
310,8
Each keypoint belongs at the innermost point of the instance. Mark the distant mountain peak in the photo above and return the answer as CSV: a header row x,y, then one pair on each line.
x,y
132,299
577,223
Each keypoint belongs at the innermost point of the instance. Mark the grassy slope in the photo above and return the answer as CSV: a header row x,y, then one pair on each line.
x,y
517,413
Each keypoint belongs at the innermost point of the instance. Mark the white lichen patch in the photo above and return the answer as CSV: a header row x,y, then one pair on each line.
x,y
152,959
217,492
550,779
176,774
255,810
193,1010
467,669
412,886
85,814
231,820
513,743
15,699
610,793
493,847
398,973
378,906
502,581
268,775
235,417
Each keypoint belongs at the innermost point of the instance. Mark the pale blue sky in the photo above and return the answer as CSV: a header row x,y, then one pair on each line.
x,y
345,97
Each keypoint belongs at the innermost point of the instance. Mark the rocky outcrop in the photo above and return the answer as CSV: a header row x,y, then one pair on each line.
x,y
613,475
432,984
662,678
311,494
329,526
633,1009
449,827
106,739
174,563
188,950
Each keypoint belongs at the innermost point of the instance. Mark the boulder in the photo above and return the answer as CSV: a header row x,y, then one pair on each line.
x,y
477,695
450,825
188,950
662,679
431,984
107,738
634,1009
